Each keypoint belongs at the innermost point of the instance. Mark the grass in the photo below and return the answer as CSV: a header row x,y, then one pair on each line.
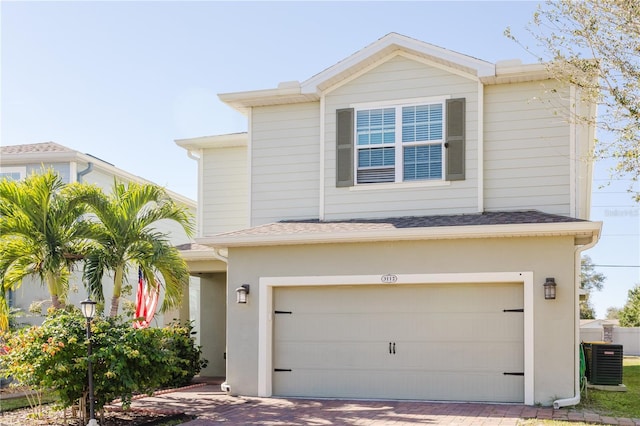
x,y
617,404
11,404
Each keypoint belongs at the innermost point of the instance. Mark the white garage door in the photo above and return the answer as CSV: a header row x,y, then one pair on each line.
x,y
456,342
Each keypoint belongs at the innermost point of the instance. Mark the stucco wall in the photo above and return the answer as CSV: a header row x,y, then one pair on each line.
x,y
545,257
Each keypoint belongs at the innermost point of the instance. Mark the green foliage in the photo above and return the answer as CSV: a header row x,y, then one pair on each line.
x,y
187,356
53,357
590,280
125,236
613,313
587,310
629,315
593,46
40,233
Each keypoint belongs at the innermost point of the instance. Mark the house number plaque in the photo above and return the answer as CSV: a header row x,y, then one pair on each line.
x,y
389,279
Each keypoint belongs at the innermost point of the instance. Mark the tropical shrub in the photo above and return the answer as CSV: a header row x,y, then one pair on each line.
x,y
125,361
187,357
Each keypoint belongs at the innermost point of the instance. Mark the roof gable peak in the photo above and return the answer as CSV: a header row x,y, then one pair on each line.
x,y
388,44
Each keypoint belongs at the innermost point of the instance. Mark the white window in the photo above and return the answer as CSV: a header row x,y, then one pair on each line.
x,y
400,143
13,173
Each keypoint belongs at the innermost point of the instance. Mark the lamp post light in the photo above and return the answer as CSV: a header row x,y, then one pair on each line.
x,y
89,310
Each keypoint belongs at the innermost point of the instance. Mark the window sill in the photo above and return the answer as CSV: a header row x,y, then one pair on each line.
x,y
398,185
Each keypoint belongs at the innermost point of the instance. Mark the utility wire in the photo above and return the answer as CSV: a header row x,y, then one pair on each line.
x,y
618,266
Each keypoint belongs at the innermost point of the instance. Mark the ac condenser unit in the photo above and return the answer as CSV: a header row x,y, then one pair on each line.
x,y
605,364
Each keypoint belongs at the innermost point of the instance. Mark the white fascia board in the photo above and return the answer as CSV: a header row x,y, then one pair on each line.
x,y
286,93
215,141
583,230
517,73
482,68
38,157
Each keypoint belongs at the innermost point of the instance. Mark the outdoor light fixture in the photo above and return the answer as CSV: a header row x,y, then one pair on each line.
x,y
241,293
88,308
550,289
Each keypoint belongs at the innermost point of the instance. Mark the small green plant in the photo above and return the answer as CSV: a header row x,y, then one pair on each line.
x,y
125,360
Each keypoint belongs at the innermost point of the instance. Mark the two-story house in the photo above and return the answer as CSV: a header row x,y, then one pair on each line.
x,y
18,161
406,224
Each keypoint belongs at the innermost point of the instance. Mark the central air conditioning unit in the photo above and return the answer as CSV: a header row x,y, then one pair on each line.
x,y
604,363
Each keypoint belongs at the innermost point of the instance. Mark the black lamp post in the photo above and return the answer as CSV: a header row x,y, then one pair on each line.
x,y
89,310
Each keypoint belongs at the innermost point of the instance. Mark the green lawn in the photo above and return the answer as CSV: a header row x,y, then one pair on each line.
x,y
617,404
21,402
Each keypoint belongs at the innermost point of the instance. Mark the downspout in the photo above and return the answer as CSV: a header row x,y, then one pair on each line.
x,y
217,253
575,400
84,172
197,156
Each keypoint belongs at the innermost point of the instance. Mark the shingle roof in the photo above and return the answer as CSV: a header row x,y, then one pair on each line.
x,y
33,148
291,227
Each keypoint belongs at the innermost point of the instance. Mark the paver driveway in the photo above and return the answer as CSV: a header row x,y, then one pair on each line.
x,y
213,407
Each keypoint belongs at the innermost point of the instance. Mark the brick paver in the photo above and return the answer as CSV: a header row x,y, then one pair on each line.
x,y
211,406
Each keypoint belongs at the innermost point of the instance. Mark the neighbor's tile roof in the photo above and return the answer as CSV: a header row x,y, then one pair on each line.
x,y
292,227
192,247
33,148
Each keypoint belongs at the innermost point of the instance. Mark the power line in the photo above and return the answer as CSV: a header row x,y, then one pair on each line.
x,y
617,266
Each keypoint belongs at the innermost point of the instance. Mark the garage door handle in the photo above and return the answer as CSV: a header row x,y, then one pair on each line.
x,y
390,347
394,348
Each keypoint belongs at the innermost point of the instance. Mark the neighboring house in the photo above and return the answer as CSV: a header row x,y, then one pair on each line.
x,y
395,218
18,161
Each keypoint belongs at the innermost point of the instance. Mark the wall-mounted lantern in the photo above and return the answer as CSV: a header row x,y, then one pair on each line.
x,y
550,289
241,293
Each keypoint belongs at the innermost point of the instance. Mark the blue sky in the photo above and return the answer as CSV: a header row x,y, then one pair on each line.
x,y
123,80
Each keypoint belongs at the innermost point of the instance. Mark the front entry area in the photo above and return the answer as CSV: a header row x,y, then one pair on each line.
x,y
455,342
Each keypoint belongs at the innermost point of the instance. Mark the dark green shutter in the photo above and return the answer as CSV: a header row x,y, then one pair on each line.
x,y
344,147
454,144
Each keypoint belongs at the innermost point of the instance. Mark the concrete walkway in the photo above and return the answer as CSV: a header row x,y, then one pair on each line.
x,y
211,406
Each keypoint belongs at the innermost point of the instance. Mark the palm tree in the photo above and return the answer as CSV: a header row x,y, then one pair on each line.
x,y
41,233
125,236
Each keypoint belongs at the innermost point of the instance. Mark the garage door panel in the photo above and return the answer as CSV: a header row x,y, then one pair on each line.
x,y
416,384
441,326
452,342
460,298
330,355
336,327
466,356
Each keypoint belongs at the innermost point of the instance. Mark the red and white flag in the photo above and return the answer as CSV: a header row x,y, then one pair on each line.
x,y
146,302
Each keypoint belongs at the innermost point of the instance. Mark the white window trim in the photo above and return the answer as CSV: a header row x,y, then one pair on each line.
x,y
399,185
265,311
22,170
398,145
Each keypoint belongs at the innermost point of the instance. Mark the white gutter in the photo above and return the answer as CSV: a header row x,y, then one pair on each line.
x,y
196,154
322,159
575,399
480,154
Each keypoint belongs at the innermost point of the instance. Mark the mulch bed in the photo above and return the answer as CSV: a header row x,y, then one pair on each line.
x,y
113,415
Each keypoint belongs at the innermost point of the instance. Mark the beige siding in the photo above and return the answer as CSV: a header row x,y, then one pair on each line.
x,y
402,78
527,156
225,201
285,162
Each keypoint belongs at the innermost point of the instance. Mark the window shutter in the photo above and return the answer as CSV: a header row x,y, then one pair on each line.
x,y
344,147
454,144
